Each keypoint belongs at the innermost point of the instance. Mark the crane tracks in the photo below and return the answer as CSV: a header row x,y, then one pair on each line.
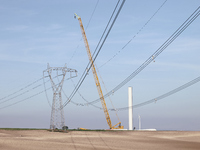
x,y
104,142
97,142
73,141
88,141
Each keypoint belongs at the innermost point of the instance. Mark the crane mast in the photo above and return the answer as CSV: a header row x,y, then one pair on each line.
x,y
96,78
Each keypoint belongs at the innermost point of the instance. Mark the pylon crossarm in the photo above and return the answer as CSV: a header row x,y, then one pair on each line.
x,y
57,112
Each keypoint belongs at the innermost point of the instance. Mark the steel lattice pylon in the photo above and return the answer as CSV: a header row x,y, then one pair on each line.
x,y
57,112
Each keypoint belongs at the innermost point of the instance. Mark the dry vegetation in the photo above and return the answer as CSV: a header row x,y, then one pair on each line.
x,y
101,140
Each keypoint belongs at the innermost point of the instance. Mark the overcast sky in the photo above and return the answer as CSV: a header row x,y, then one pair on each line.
x,y
34,33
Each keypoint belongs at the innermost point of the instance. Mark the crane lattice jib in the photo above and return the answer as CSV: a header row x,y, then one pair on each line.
x,y
95,75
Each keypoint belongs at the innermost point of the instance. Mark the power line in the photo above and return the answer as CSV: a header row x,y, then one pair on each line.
x,y
86,69
29,96
90,65
42,77
194,81
27,92
109,96
135,34
169,41
189,20
45,89
92,14
21,89
119,52
81,81
85,29
20,93
22,100
33,88
79,104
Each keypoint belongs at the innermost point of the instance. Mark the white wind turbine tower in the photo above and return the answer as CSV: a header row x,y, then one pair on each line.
x,y
139,118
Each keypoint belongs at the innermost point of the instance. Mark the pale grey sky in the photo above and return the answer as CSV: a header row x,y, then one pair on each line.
x,y
34,33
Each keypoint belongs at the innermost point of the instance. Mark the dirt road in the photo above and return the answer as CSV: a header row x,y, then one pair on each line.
x,y
98,140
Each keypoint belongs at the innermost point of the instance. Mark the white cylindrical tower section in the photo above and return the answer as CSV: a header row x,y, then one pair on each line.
x,y
130,104
139,122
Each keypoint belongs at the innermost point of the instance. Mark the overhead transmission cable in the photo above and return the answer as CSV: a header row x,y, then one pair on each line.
x,y
44,83
68,100
20,94
108,96
89,65
25,93
86,69
189,20
45,90
169,41
119,52
85,29
21,89
22,100
135,34
96,53
184,86
6,99
70,60
92,15
38,79
81,104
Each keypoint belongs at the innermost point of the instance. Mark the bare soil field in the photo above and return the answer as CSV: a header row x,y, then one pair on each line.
x,y
99,140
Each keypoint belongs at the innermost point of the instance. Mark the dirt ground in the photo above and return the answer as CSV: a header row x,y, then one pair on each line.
x,y
99,140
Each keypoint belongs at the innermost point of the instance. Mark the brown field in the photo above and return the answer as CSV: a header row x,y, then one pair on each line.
x,y
99,140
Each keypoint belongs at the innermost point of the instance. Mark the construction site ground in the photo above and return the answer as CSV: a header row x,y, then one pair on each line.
x,y
99,140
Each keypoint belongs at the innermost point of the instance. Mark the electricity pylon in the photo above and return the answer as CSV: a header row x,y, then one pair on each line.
x,y
57,112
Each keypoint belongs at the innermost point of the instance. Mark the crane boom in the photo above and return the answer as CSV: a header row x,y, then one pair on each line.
x,y
96,78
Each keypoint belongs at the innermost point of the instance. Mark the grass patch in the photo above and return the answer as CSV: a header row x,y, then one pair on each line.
x,y
21,129
98,130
